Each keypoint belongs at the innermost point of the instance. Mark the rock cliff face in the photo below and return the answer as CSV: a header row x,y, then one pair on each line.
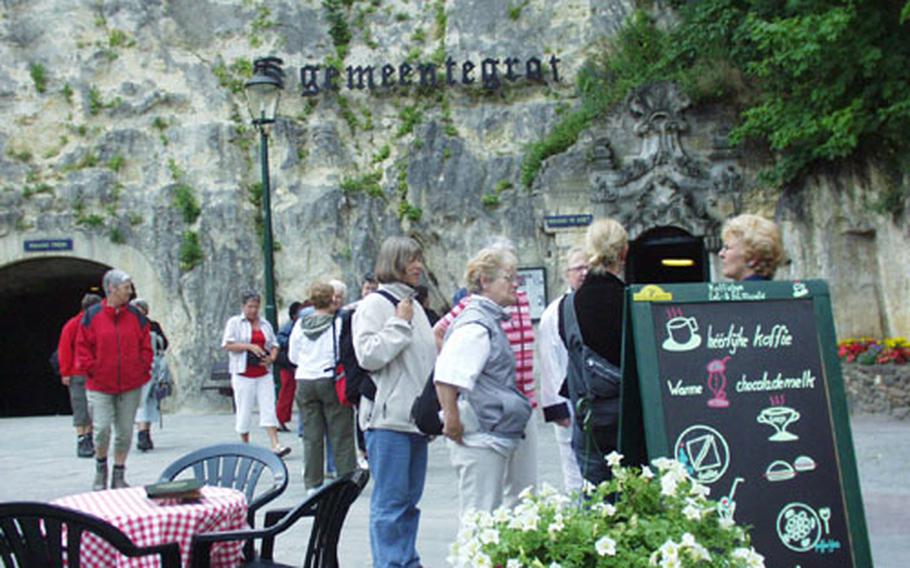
x,y
120,115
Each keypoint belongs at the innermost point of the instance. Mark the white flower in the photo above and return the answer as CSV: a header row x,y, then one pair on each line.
x,y
489,536
662,464
671,562
700,490
668,485
587,487
605,509
481,560
614,458
526,492
502,515
752,558
605,546
547,490
513,563
692,513
555,565
646,472
556,526
688,540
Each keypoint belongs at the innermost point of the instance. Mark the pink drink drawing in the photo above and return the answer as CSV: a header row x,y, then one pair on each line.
x,y
717,382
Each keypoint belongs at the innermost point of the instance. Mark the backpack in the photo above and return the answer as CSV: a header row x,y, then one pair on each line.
x,y
54,361
357,380
592,380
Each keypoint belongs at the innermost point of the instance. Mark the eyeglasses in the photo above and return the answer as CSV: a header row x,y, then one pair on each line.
x,y
578,268
513,278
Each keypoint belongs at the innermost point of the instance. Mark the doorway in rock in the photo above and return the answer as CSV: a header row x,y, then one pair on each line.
x,y
665,255
37,297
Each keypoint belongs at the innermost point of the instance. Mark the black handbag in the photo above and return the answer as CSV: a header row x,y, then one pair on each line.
x,y
425,410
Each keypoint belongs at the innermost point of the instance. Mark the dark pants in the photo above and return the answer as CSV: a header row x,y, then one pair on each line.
x,y
591,449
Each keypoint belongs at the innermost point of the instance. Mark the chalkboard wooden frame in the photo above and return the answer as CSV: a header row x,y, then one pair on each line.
x,y
642,403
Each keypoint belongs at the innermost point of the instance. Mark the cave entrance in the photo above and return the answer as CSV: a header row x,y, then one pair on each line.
x,y
37,296
666,255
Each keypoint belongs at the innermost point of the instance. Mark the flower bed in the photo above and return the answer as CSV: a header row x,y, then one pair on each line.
x,y
868,351
640,518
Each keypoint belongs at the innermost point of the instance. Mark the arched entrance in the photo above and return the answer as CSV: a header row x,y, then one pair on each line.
x,y
667,254
37,296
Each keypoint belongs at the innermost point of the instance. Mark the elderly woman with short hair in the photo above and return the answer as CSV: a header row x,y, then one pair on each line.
x,y
252,348
752,248
312,348
598,311
114,348
393,341
485,414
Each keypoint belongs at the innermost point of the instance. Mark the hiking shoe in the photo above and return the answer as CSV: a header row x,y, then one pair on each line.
x,y
144,441
84,447
118,478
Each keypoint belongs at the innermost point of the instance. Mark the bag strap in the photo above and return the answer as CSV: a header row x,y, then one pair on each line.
x,y
388,296
575,345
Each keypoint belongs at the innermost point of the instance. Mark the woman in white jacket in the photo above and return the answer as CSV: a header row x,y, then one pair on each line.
x,y
252,348
394,342
312,348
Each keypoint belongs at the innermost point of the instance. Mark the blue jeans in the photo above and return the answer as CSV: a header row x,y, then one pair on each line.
x,y
398,465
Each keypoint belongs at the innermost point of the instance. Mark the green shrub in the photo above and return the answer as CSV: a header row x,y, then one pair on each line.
x,y
185,201
190,251
408,211
410,117
382,154
338,23
368,183
39,76
116,235
90,220
116,163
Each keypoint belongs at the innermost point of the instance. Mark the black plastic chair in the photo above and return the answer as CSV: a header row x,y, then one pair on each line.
x,y
328,507
31,535
238,466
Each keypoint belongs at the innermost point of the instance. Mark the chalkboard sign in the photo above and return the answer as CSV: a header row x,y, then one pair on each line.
x,y
741,383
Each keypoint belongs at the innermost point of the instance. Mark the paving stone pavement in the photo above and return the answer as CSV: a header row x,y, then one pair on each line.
x,y
38,462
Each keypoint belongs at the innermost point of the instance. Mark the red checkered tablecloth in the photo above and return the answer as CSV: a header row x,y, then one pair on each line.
x,y
149,522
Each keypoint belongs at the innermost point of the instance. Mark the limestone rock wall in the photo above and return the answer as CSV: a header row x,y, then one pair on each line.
x,y
111,109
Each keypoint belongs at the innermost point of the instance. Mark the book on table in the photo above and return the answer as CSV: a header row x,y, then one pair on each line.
x,y
183,489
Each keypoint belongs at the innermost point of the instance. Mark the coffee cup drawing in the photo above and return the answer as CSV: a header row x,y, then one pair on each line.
x,y
682,334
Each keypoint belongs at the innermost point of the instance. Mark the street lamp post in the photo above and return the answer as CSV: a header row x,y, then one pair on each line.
x,y
263,93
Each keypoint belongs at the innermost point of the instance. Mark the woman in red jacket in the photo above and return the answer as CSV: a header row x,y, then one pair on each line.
x,y
114,349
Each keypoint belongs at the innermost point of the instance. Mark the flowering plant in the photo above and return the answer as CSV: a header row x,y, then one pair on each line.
x,y
868,351
641,518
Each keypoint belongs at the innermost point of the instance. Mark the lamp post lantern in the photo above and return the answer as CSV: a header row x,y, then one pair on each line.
x,y
263,92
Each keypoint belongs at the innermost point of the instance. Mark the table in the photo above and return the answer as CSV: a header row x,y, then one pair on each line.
x,y
150,522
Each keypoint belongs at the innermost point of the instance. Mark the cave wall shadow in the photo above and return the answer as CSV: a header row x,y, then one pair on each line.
x,y
38,296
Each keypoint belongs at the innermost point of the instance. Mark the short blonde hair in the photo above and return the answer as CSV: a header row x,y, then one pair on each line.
x,y
339,286
605,242
575,252
760,239
394,256
489,264
321,295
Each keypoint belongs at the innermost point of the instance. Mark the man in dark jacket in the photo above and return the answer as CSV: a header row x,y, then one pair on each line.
x,y
114,349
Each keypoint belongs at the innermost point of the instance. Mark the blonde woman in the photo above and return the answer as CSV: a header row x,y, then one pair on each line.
x,y
484,413
598,308
752,248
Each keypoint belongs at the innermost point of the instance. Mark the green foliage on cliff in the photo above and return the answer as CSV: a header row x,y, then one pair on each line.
x,y
815,81
39,76
190,251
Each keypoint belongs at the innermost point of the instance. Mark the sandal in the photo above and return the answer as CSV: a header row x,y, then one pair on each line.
x,y
281,451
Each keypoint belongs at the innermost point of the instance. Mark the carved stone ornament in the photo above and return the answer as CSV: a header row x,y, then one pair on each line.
x,y
662,184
